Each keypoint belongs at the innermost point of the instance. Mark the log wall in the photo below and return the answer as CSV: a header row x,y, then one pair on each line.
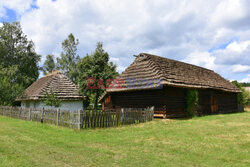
x,y
168,101
228,102
215,102
171,102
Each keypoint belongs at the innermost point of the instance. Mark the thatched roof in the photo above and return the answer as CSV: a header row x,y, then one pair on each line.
x,y
150,71
58,82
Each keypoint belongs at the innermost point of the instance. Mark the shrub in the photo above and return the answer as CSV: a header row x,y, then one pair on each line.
x,y
192,98
51,99
243,97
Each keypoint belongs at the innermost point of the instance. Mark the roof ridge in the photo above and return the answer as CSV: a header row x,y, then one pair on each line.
x,y
148,63
149,54
54,72
159,71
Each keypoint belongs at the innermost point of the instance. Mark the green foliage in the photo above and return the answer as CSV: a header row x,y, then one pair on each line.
x,y
18,62
243,98
9,90
248,98
192,98
244,84
69,58
49,64
96,65
16,50
51,99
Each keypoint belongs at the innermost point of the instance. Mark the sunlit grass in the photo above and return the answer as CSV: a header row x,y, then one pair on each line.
x,y
218,140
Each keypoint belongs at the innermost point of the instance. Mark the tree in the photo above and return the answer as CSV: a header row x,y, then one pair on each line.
x,y
243,97
18,62
51,99
9,90
49,64
16,50
98,67
245,84
69,58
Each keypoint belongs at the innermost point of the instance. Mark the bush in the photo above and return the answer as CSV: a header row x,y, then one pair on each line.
x,y
192,98
243,98
51,99
248,98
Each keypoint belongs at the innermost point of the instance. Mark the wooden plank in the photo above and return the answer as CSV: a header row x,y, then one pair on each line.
x,y
57,116
79,119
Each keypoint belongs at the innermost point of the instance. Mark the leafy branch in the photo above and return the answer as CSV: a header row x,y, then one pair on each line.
x,y
51,99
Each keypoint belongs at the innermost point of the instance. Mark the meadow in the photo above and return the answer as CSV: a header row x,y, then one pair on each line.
x,y
215,140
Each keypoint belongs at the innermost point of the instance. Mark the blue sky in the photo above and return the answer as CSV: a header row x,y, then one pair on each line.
x,y
10,16
214,35
223,45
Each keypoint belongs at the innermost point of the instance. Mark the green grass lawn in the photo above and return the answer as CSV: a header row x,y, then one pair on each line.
x,y
218,140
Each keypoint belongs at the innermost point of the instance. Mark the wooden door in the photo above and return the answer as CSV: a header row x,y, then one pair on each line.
x,y
214,104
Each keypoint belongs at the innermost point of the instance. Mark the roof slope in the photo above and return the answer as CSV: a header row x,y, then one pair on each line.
x,y
147,68
58,82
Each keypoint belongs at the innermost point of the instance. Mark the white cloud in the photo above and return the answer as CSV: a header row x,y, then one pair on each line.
x,y
120,69
19,6
114,59
234,59
247,79
229,10
203,59
183,30
234,53
238,47
241,68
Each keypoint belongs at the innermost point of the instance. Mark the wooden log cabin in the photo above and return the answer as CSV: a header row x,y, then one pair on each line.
x,y
163,83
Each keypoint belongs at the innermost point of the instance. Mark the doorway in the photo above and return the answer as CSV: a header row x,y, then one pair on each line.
x,y
213,104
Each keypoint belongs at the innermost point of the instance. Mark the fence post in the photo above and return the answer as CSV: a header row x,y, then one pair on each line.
x,y
29,115
4,110
42,115
122,115
117,112
20,112
10,114
57,116
79,119
153,110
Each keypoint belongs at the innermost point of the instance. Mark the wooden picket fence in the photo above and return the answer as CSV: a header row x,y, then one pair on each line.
x,y
125,116
57,117
81,118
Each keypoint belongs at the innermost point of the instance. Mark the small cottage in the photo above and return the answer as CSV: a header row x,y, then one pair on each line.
x,y
61,85
163,83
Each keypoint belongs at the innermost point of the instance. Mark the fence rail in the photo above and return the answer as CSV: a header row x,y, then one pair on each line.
x,y
81,118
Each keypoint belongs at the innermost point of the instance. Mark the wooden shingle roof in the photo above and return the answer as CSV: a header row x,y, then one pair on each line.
x,y
163,71
58,82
